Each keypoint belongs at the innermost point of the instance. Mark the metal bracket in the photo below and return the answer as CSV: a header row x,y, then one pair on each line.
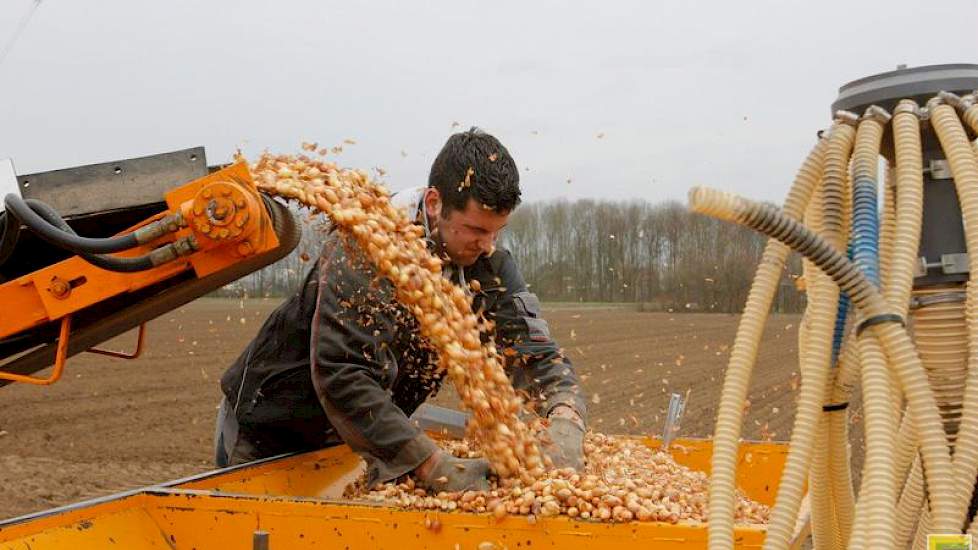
x,y
950,264
954,263
122,184
677,406
60,358
917,302
140,342
940,169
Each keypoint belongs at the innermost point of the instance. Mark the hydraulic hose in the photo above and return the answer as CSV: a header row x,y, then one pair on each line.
x,y
55,234
815,362
9,235
964,168
874,510
109,263
730,412
893,336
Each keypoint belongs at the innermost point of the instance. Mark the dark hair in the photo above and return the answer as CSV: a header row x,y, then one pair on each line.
x,y
474,164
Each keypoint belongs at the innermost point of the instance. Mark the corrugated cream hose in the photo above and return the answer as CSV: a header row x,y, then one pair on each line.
x,y
920,396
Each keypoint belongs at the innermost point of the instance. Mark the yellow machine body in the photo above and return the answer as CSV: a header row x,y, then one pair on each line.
x,y
296,501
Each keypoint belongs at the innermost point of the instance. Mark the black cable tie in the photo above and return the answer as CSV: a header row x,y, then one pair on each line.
x,y
832,407
878,320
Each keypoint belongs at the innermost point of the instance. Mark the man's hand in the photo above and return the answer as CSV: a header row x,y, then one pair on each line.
x,y
566,434
444,472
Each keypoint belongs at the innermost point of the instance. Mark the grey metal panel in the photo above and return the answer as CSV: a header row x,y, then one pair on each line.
x,y
8,180
942,231
108,186
919,83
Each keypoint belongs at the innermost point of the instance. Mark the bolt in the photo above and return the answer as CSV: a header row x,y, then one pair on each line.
x,y
217,210
245,249
207,193
60,288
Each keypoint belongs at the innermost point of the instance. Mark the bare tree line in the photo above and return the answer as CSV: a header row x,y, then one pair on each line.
x,y
656,255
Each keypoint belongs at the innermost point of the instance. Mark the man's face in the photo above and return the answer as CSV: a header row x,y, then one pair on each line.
x,y
463,235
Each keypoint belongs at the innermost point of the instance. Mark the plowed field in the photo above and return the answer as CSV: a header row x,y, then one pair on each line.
x,y
112,424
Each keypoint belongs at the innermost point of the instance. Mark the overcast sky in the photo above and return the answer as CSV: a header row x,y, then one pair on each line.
x,y
728,94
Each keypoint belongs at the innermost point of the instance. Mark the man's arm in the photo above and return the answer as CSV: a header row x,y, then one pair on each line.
x,y
352,368
523,336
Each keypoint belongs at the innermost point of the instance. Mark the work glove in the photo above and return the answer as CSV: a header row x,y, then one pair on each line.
x,y
451,474
566,446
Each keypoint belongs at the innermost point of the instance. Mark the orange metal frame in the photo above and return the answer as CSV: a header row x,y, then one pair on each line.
x,y
61,356
298,501
39,298
140,342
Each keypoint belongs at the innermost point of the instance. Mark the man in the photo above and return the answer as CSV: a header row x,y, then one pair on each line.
x,y
343,361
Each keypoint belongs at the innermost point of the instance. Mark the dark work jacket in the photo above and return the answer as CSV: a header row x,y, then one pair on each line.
x,y
342,360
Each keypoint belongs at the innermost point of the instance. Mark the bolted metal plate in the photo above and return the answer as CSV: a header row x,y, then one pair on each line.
x,y
119,185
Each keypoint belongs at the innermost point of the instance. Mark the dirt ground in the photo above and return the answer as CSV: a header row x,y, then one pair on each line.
x,y
112,424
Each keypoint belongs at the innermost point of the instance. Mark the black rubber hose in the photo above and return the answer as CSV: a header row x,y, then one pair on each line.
x,y
122,265
110,263
9,234
55,234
